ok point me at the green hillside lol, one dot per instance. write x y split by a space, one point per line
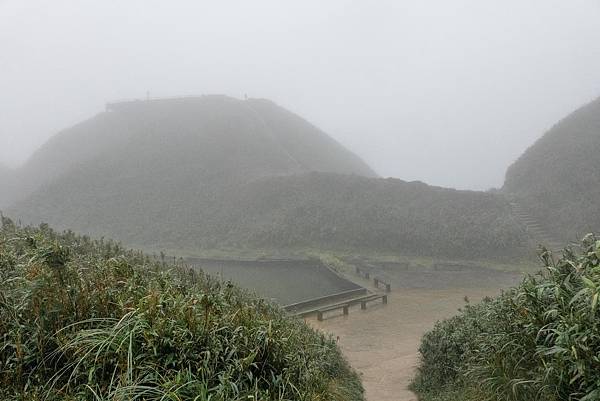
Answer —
7 185
558 178
212 137
313 211
358 213
89 320
215 173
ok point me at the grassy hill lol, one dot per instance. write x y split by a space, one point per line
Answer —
313 211
211 137
6 185
358 213
4 177
557 179
88 320
215 172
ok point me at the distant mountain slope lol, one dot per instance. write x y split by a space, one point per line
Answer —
358 213
215 172
7 182
216 133
298 138
558 178
309 211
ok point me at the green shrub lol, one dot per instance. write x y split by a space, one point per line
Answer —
89 320
538 341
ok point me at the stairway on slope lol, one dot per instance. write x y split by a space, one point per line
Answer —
537 232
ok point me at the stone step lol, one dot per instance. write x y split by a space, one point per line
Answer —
535 230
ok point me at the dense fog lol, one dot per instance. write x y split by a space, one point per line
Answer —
449 93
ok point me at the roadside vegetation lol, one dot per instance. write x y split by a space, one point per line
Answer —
89 320
537 341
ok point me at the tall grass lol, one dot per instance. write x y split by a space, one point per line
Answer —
538 341
89 320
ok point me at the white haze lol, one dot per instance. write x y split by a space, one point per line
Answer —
448 92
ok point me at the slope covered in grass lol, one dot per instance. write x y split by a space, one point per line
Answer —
358 213
538 341
215 173
557 179
191 142
310 211
6 185
88 320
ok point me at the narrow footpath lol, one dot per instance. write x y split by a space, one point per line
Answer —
382 342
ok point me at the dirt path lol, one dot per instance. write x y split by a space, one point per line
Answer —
382 342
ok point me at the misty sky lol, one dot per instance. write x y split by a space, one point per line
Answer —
448 92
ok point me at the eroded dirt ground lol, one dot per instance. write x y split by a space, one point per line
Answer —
382 342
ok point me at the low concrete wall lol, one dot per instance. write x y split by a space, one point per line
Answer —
328 299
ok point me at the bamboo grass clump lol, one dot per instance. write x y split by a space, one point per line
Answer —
539 341
88 320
